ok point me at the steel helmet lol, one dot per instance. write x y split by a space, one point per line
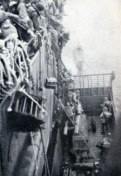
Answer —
34 1
12 3
108 134
3 16
40 6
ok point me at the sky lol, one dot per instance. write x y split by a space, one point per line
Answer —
96 26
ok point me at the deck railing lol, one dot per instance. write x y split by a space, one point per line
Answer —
91 81
93 88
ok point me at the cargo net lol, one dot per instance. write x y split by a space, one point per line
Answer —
14 65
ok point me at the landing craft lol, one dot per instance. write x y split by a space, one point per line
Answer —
85 158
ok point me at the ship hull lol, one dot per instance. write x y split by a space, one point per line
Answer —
19 154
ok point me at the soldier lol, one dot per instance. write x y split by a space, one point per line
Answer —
107 104
24 25
51 7
35 12
6 26
7 44
13 7
69 97
104 119
65 76
78 112
79 108
105 144
70 110
23 15
76 97
1 7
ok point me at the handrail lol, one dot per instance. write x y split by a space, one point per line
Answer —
100 82
91 75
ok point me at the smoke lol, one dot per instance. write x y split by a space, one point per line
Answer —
68 58
73 57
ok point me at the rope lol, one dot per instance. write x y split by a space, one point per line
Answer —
45 156
44 152
36 166
15 56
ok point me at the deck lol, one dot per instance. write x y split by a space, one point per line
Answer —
94 138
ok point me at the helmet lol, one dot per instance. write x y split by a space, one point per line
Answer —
34 1
68 104
40 6
3 16
109 134
106 98
12 3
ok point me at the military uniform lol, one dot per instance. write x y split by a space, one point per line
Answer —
7 27
105 144
104 122
70 111
23 16
107 104
34 16
51 7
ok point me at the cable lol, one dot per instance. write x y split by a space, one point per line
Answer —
44 152
36 167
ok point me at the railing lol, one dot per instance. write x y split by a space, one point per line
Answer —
91 81
93 88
